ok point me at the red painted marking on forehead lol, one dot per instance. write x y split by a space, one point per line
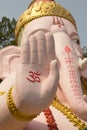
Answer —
58 21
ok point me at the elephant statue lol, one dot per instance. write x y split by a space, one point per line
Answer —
44 77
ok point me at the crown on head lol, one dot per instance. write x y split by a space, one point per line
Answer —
41 9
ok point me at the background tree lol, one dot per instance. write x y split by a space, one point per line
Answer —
7 36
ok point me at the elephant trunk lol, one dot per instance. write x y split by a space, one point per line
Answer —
69 74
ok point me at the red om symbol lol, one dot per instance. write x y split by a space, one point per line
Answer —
34 77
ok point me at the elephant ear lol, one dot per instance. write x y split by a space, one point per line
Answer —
9 60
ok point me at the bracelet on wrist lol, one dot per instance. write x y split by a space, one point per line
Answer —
14 111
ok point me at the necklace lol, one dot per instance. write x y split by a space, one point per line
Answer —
50 119
69 114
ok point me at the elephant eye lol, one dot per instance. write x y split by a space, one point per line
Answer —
0 80
76 41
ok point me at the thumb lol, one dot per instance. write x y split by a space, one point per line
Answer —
50 85
52 80
53 73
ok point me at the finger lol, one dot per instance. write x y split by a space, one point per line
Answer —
25 52
53 69
50 47
41 48
33 50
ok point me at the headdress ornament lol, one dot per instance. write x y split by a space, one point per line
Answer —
41 8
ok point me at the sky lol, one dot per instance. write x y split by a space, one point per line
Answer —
78 8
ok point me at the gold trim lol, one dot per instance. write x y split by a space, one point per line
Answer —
2 93
42 9
14 111
69 114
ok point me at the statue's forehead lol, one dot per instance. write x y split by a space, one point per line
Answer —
46 23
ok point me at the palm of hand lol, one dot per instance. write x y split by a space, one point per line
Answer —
38 70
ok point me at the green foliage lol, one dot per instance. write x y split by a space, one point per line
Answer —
7 36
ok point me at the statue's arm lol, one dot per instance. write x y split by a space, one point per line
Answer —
29 92
7 120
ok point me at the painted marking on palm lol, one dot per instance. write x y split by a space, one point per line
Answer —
34 76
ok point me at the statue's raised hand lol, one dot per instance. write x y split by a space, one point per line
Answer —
37 75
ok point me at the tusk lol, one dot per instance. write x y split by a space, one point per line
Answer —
83 63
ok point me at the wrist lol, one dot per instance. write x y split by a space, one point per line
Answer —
14 109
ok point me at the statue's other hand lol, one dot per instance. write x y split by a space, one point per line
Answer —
37 74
